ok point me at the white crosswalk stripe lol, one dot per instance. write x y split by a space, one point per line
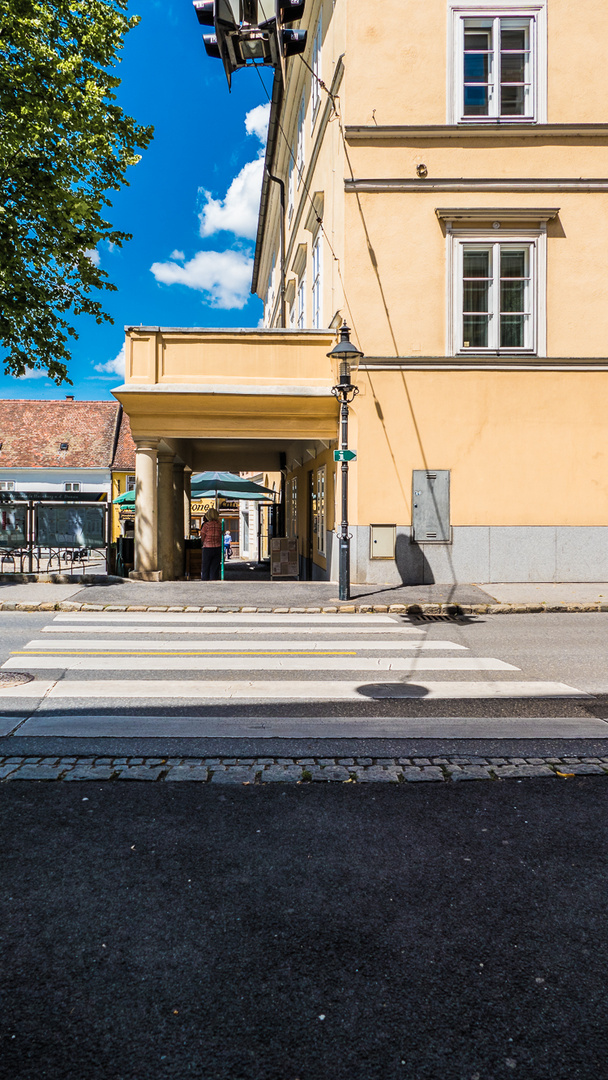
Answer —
284 690
268 644
259 657
270 662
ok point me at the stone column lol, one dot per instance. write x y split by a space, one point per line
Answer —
166 538
146 551
178 520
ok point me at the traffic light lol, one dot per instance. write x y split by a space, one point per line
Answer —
251 32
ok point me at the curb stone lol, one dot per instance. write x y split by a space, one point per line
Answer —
454 610
295 770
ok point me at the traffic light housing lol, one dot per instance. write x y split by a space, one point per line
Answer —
251 32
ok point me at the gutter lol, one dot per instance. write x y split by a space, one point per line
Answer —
271 143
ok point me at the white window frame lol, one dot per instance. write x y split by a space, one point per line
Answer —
536 337
301 303
7 485
498 9
315 89
131 483
72 485
291 184
300 147
321 509
317 283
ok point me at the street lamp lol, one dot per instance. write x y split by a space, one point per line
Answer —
345 392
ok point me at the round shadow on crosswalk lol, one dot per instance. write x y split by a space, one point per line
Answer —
392 690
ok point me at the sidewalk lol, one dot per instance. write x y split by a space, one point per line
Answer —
302 596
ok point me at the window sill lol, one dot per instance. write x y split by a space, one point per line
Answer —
491 354
496 121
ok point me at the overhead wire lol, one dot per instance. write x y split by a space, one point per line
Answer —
307 192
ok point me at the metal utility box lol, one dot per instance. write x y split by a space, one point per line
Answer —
382 541
431 506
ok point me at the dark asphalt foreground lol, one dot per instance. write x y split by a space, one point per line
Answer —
425 932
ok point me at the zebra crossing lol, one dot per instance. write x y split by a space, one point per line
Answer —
273 659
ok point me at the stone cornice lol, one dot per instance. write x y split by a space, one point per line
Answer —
483 363
406 132
381 185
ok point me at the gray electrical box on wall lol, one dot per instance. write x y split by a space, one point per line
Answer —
431 506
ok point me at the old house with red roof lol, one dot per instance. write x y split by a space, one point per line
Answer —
66 447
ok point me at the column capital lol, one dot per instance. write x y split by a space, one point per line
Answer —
146 444
166 457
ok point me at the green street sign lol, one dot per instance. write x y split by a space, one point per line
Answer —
345 455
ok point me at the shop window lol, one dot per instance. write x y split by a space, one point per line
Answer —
294 507
320 510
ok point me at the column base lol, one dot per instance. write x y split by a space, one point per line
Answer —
146 575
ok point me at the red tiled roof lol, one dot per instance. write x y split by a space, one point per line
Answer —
31 433
124 457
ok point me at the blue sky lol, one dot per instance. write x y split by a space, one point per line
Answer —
189 262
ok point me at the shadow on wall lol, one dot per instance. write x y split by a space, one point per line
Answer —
412 564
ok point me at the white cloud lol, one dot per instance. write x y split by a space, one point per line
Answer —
34 373
256 122
225 276
113 367
238 212
93 255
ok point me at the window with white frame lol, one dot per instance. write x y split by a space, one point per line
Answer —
291 185
301 303
496 295
317 318
321 473
300 140
270 285
71 486
499 63
131 483
315 89
7 485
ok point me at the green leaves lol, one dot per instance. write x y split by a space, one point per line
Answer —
64 144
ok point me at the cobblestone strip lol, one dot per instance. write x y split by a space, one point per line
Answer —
413 610
267 770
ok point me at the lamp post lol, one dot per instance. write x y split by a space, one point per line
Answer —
345 392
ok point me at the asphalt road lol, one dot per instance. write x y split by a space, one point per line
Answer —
566 648
359 933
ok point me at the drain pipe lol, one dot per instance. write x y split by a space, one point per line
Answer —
277 180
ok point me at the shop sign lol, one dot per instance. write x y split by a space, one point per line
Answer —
200 506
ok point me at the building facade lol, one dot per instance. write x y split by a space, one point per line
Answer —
66 448
445 192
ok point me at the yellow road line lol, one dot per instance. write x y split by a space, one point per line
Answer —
159 652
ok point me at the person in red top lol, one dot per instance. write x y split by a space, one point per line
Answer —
211 538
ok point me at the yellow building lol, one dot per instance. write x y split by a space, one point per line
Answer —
446 193
123 478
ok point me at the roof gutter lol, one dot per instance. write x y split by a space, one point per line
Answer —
271 145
